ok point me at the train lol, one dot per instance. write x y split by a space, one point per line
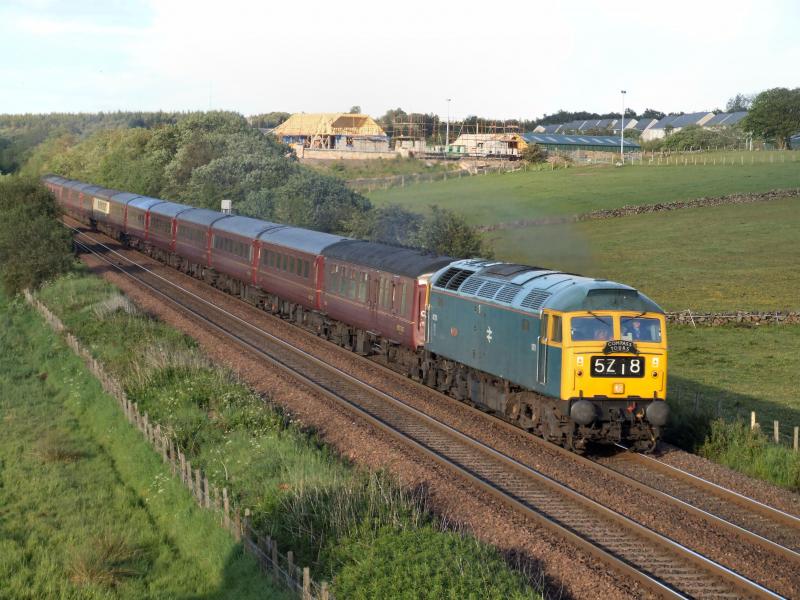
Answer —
572 359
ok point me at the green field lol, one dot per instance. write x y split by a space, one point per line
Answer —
510 197
738 368
717 258
87 509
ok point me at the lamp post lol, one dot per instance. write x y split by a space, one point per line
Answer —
447 131
622 130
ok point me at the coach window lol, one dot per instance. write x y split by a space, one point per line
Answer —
403 299
291 265
305 268
362 287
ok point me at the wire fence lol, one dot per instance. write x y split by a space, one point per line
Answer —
279 566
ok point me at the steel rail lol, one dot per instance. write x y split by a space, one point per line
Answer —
512 491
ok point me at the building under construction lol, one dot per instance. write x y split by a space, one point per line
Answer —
499 145
333 131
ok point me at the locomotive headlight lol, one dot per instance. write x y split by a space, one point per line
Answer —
619 388
655 361
579 373
655 373
579 361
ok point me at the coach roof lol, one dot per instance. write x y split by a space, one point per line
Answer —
169 209
201 216
304 240
244 226
401 261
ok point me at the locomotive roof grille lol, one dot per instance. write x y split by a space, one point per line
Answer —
471 285
446 277
507 293
489 289
535 299
458 279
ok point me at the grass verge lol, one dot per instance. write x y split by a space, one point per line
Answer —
86 507
299 492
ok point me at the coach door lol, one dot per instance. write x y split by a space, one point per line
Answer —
541 364
373 297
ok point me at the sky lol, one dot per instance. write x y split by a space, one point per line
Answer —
506 60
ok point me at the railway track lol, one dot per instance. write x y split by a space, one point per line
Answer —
660 565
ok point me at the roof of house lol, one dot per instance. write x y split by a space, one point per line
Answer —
676 121
306 124
643 124
577 140
725 119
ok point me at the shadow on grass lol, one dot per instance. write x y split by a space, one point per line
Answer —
695 405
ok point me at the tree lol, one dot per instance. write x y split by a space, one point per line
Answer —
534 153
775 114
651 113
34 246
355 109
445 232
739 103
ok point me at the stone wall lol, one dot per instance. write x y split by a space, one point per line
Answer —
640 209
744 318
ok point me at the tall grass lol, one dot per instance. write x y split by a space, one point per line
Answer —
87 509
735 445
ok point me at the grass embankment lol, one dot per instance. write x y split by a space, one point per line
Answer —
502 198
341 522
707 259
87 509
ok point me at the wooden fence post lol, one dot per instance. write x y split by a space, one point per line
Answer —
187 476
796 439
198 487
753 423
776 432
237 526
324 590
275 568
306 584
226 507
215 489
172 457
206 495
290 570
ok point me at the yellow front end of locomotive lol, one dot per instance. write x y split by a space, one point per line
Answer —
611 355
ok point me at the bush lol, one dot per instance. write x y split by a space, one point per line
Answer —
751 452
34 246
534 153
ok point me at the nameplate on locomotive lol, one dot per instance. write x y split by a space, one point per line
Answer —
613 346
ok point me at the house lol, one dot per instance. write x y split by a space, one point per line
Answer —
333 131
489 144
674 123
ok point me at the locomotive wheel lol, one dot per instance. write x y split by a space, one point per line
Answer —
645 446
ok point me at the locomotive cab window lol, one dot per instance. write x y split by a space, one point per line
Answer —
585 329
556 329
638 329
